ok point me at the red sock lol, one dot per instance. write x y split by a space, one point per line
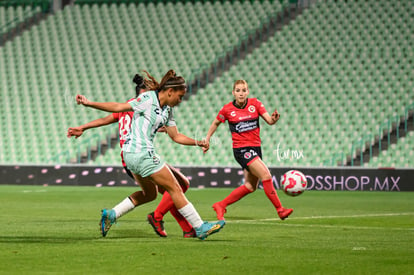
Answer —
271 193
184 224
235 195
166 204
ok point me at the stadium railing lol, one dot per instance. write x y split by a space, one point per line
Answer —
385 128
337 159
407 113
62 157
88 144
357 147
368 139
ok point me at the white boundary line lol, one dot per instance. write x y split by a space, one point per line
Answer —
330 217
349 227
265 221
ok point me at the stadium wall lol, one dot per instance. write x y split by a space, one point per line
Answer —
327 179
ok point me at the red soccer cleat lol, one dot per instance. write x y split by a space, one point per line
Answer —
157 225
284 212
190 234
220 210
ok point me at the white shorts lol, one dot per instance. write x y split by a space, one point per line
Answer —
144 163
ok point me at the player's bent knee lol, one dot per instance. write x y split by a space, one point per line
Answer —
182 180
265 176
153 196
250 187
185 185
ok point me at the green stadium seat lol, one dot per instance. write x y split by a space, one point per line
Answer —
312 70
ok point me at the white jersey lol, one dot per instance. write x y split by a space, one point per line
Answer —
148 118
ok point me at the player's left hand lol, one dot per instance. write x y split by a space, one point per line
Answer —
204 145
275 116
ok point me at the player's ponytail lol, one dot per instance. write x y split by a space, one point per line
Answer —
170 80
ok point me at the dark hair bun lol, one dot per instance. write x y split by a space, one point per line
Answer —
139 80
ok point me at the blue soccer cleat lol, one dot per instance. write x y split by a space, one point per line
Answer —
108 218
209 228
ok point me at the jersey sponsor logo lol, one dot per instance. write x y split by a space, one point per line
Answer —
244 126
252 109
244 117
233 113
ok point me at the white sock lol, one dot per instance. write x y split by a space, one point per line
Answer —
123 207
191 215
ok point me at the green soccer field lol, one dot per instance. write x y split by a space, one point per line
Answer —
55 229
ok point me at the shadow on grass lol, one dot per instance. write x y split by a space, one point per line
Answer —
44 239
56 239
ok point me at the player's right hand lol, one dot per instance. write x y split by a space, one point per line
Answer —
74 132
206 145
81 99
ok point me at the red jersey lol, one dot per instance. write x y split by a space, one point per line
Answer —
243 122
124 123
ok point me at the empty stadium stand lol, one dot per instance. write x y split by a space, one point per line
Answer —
338 74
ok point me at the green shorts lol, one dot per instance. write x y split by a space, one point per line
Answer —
144 163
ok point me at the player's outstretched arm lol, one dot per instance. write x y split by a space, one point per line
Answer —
113 107
179 138
271 119
78 131
213 127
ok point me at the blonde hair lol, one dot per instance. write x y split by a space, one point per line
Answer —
240 81
170 80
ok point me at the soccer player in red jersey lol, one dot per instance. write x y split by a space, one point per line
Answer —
166 204
243 116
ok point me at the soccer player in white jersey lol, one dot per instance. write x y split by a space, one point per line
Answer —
153 110
166 204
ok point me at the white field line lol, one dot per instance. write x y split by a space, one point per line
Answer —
349 227
34 191
329 217
265 221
